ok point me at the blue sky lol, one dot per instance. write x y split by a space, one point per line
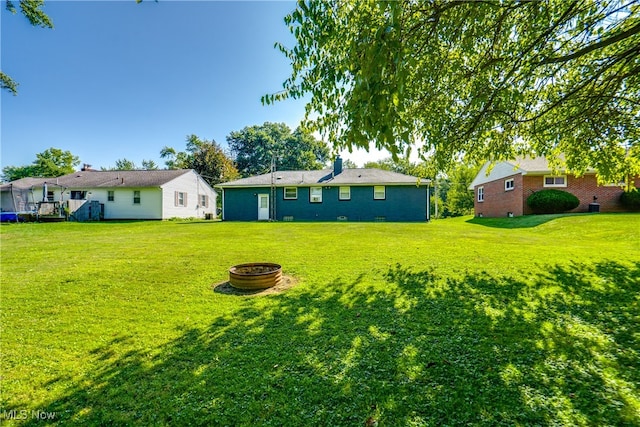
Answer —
116 79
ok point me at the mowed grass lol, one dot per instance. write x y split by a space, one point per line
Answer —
520 321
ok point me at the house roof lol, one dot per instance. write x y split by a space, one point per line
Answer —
93 179
492 171
369 176
24 183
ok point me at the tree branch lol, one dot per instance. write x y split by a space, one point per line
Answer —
599 45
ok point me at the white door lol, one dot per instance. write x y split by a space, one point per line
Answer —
263 207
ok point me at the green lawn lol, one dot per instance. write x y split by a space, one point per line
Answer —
520 321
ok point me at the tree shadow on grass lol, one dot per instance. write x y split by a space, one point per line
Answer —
421 349
525 221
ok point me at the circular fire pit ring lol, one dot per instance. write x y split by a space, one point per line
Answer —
260 275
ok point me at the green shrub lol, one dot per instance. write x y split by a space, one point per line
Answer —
630 199
552 201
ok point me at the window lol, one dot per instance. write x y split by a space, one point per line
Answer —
204 200
344 193
111 196
315 194
290 193
180 198
379 192
508 184
136 197
78 195
555 181
481 194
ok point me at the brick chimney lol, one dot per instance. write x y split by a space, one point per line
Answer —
337 166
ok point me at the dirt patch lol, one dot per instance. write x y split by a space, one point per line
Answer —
288 282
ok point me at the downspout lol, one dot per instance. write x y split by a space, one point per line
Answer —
223 215
428 202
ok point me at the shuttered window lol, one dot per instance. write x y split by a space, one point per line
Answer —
180 198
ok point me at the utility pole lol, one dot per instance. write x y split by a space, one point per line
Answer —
272 205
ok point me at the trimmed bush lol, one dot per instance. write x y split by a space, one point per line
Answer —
630 199
552 201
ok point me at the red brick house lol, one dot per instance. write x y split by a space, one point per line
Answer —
504 190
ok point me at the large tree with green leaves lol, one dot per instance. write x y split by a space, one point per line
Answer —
50 163
485 79
129 165
459 199
254 147
31 9
205 157
424 169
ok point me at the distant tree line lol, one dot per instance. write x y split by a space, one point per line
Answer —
252 150
50 163
450 193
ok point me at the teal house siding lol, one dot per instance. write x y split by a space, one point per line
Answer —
406 197
241 204
401 204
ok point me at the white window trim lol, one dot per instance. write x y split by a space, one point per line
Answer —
204 200
376 192
507 187
112 194
284 193
348 191
481 194
139 197
544 181
315 198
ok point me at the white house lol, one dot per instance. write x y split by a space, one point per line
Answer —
139 194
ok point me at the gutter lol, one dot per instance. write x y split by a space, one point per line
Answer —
423 182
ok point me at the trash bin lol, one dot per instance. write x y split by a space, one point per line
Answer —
208 216
594 207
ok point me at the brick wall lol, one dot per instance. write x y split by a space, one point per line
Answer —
498 201
584 188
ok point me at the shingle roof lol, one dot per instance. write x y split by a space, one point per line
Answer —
25 183
528 164
520 165
86 179
367 176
